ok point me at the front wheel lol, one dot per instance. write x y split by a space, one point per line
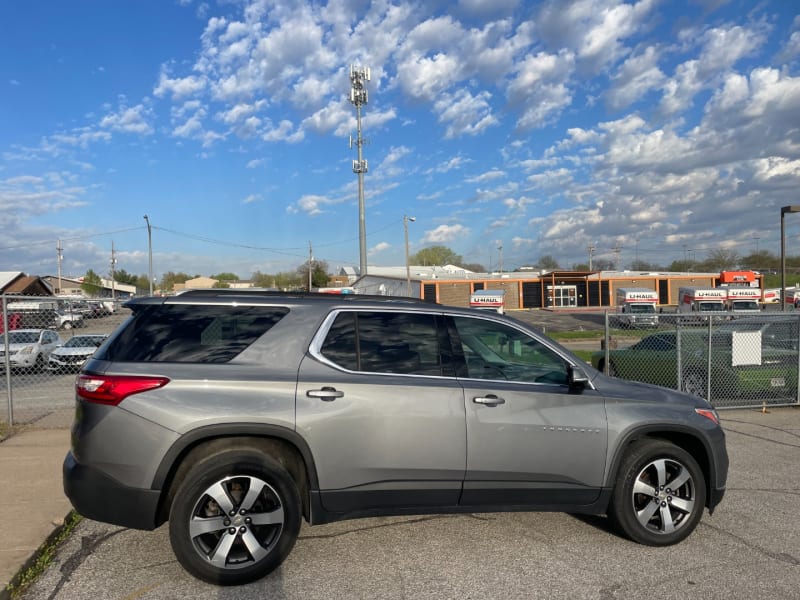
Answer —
659 494
235 518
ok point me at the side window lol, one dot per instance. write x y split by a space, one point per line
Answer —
384 342
495 351
188 333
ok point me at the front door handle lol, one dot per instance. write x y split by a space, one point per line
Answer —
490 400
326 394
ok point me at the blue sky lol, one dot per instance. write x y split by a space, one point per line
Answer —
659 128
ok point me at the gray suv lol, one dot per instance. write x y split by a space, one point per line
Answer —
235 414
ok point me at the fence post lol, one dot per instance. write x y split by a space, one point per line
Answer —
7 365
606 344
708 361
679 357
797 382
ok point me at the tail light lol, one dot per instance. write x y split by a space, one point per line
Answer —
113 389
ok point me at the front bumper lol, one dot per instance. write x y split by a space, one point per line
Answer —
97 496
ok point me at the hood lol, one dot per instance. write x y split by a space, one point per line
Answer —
612 388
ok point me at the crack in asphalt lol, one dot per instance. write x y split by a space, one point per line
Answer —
373 527
89 543
772 427
783 557
761 437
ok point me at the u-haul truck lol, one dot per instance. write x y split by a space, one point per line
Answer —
702 302
772 296
636 307
743 300
494 300
792 296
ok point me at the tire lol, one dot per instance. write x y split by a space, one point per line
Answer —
229 549
39 365
659 495
694 383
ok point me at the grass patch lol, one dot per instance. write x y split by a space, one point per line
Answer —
575 335
584 355
43 557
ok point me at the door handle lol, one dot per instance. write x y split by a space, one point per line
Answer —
490 400
326 394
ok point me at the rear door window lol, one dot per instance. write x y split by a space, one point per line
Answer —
385 342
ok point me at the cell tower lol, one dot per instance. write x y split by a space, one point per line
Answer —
358 97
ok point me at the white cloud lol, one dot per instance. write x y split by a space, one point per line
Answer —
445 234
130 120
464 113
379 247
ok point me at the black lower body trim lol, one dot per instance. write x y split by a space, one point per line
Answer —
101 498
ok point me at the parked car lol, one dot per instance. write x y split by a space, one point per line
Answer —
72 355
737 369
29 348
235 414
776 332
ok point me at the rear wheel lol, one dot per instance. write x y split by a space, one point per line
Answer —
235 517
659 494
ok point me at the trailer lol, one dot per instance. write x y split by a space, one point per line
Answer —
636 307
494 300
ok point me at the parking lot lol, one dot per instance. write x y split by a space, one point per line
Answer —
747 549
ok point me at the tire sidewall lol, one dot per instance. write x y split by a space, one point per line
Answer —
621 510
216 468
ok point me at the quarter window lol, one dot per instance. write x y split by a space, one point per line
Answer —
193 334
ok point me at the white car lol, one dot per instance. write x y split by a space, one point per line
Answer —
72 355
29 348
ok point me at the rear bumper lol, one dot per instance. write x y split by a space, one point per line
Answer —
97 496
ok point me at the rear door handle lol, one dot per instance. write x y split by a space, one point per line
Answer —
326 394
489 400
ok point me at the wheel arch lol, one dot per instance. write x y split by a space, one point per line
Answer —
283 445
682 437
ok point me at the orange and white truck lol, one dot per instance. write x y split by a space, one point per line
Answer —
494 300
636 307
702 302
743 300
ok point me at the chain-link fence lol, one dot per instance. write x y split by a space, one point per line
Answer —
735 361
43 343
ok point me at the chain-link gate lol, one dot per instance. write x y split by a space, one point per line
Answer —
43 343
733 361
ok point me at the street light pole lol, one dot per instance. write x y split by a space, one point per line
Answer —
149 254
784 210
406 219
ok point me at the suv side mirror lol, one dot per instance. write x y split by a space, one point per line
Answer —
578 379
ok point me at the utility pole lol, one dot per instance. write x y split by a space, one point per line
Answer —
58 250
406 219
310 262
358 97
149 254
500 248
591 255
617 249
113 267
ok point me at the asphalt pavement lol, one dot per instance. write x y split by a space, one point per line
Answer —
746 549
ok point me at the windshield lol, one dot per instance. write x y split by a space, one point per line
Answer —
84 341
23 337
745 305
711 306
642 308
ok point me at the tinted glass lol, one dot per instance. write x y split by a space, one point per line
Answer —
378 342
191 333
495 351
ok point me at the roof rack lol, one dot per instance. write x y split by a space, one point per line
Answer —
267 293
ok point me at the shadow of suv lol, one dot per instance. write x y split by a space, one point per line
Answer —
235 414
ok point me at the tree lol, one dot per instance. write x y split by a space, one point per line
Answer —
262 280
92 284
436 256
547 263
169 279
641 265
122 276
226 277
142 283
580 267
720 259
221 284
319 274
474 267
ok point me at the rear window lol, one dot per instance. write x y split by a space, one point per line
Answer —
191 333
